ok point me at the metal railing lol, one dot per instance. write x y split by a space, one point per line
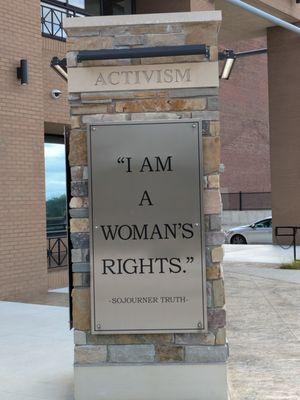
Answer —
57 249
52 16
242 201
56 224
289 232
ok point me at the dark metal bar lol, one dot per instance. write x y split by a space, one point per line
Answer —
142 52
231 54
240 201
68 199
251 52
58 252
49 254
294 238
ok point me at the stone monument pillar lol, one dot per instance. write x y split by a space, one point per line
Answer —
144 96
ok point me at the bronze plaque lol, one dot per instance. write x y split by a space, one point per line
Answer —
146 226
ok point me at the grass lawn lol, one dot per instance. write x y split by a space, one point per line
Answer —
292 265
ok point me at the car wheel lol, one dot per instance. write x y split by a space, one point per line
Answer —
238 239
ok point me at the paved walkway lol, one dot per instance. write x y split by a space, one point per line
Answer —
267 271
36 352
263 334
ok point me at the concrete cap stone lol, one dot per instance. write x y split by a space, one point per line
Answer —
142 19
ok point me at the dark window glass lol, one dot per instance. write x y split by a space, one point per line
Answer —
267 223
117 7
109 7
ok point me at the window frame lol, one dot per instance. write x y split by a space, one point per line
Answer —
68 9
65 5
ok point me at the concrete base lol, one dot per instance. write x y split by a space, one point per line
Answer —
151 382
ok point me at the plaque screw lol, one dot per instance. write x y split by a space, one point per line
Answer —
93 128
98 326
194 125
199 325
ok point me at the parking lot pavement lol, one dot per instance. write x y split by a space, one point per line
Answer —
259 253
36 352
263 334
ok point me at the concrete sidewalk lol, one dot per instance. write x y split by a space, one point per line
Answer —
267 271
36 352
259 253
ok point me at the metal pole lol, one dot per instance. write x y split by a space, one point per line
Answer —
294 232
240 201
142 52
49 253
69 243
265 15
251 52
58 252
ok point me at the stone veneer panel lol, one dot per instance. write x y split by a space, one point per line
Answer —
201 103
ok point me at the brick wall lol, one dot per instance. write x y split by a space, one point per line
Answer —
245 122
23 110
22 211
55 110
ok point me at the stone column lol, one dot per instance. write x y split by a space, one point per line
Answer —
284 104
147 366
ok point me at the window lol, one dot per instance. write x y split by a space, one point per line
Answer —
54 11
117 7
77 3
74 3
56 211
55 172
266 223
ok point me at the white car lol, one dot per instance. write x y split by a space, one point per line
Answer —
259 232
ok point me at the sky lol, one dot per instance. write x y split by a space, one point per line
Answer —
55 170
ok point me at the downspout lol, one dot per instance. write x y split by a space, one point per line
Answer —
265 15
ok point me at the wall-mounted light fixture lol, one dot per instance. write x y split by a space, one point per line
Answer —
230 57
60 67
22 72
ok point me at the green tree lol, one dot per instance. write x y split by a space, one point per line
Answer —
56 207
